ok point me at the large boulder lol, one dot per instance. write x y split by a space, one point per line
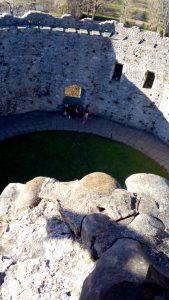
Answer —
120 273
147 229
148 184
29 196
100 183
91 194
153 192
99 232
123 205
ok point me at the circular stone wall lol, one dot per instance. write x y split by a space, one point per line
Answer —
69 156
38 62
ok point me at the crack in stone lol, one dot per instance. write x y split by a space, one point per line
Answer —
3 274
138 203
2 277
129 216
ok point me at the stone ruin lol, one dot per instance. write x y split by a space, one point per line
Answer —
87 239
122 72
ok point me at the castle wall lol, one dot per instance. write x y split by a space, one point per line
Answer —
37 63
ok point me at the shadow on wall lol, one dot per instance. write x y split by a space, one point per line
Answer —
131 107
128 265
117 98
53 60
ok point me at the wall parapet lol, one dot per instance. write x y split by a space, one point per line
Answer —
46 20
67 23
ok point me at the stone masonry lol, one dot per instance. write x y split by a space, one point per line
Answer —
40 55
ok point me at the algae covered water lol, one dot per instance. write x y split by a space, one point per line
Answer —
68 156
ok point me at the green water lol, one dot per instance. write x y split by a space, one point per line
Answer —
68 156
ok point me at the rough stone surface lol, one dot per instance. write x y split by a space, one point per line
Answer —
148 184
8 200
57 190
123 205
84 53
120 272
29 197
153 191
91 194
99 233
62 228
39 253
100 183
148 229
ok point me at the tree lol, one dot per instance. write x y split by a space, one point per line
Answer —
93 6
14 6
60 6
18 7
7 6
74 7
165 15
159 15
77 7
126 11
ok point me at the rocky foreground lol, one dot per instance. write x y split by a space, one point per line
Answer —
87 239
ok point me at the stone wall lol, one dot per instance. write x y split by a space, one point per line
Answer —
37 62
